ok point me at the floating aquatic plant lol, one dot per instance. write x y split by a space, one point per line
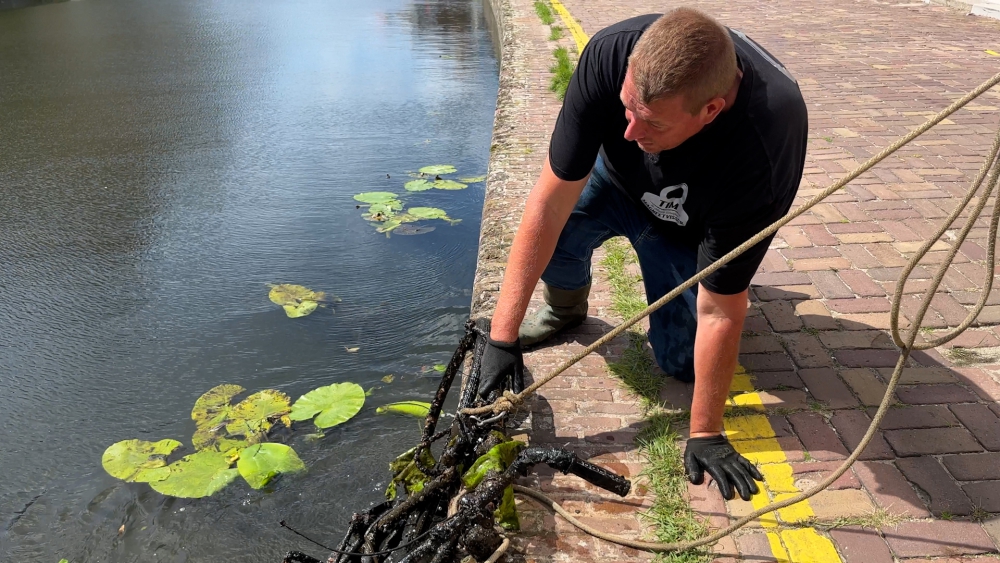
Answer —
258 412
375 197
418 409
473 179
260 463
435 169
431 213
296 300
138 460
197 475
418 185
227 434
331 405
449 185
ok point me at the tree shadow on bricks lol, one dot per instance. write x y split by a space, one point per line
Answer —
937 453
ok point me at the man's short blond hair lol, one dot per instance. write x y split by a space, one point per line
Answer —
683 52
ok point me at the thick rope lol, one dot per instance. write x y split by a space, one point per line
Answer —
906 345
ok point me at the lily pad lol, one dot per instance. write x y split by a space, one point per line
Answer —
212 407
375 197
440 367
334 404
260 463
449 185
412 408
256 413
417 185
473 179
436 169
298 301
383 211
200 474
409 230
396 221
216 439
138 460
430 213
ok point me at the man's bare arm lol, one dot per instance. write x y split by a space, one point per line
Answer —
716 349
545 214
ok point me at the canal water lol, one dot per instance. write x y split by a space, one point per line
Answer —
161 162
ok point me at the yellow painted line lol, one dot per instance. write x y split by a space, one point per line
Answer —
780 555
753 436
574 28
805 545
991 52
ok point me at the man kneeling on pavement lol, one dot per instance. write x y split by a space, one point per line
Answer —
688 138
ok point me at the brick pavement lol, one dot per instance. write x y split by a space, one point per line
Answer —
815 346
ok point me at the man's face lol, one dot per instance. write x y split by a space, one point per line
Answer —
664 123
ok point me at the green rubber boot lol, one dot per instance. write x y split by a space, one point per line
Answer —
563 309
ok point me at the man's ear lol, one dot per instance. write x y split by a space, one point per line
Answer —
711 110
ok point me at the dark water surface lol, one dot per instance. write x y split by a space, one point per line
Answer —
160 163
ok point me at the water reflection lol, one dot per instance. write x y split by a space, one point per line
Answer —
161 163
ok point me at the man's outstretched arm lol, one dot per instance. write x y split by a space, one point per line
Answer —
716 349
545 214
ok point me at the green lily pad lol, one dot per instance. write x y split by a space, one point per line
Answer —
410 230
436 169
216 439
431 213
138 460
407 475
334 404
440 367
200 474
395 222
298 301
375 197
412 408
449 185
428 213
260 463
473 179
255 414
211 408
383 211
417 185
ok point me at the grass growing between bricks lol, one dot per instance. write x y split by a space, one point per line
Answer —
562 71
544 12
670 515
635 368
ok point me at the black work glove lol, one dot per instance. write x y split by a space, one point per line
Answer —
501 367
729 469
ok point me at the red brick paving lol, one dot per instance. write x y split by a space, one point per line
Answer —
816 334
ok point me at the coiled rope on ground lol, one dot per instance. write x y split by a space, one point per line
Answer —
988 173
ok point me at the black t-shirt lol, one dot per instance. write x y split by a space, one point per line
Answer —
720 187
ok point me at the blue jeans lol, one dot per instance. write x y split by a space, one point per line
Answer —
602 212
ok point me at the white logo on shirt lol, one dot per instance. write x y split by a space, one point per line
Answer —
669 205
